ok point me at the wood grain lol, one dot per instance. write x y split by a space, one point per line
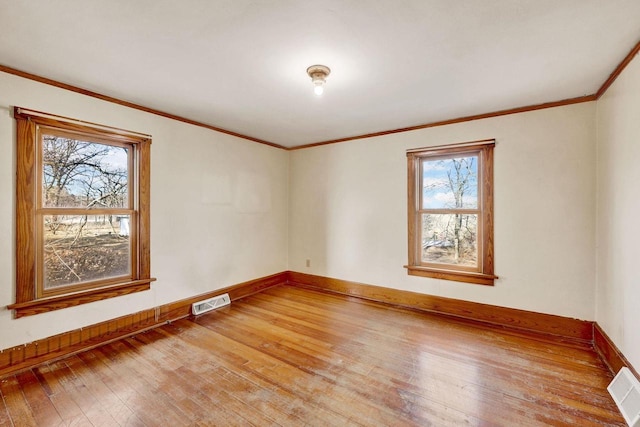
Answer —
31 296
44 305
486 176
457 276
482 273
25 356
289 356
609 352
143 220
75 127
562 328
25 211
569 332
413 250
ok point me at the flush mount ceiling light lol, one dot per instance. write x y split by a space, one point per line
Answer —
318 74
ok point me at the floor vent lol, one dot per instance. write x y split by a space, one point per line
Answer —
210 304
625 390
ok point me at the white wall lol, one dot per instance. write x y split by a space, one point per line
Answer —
618 224
348 210
218 209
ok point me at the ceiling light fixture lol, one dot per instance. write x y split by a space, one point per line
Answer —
318 74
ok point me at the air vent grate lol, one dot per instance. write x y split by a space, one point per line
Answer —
625 390
210 304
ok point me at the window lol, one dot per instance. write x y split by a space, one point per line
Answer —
450 206
82 212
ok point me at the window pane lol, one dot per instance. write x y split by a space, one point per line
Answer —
450 183
80 174
450 239
80 248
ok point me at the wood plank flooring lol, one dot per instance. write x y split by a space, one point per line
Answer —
294 357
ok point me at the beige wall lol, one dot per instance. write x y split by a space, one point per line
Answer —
618 226
219 209
225 210
348 210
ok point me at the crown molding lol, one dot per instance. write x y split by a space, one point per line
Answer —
586 98
76 89
614 75
580 99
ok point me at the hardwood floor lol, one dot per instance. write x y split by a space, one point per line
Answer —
294 357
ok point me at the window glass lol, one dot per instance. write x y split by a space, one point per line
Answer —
450 239
450 212
84 248
83 174
82 212
450 183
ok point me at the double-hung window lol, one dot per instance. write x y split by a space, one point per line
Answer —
450 207
82 212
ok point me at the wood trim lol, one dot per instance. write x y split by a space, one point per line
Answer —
482 273
578 100
143 203
451 148
486 175
42 305
70 123
25 356
25 211
586 98
76 89
609 353
413 250
82 211
182 308
562 328
28 355
619 69
31 298
457 276
51 82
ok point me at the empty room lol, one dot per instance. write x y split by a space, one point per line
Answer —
303 213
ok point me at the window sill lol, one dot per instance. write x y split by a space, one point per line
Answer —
458 276
43 305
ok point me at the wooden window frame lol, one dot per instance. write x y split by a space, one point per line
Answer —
484 273
30 297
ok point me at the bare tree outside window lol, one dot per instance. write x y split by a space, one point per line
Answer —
450 185
450 212
92 177
82 212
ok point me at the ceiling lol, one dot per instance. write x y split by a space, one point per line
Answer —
240 65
